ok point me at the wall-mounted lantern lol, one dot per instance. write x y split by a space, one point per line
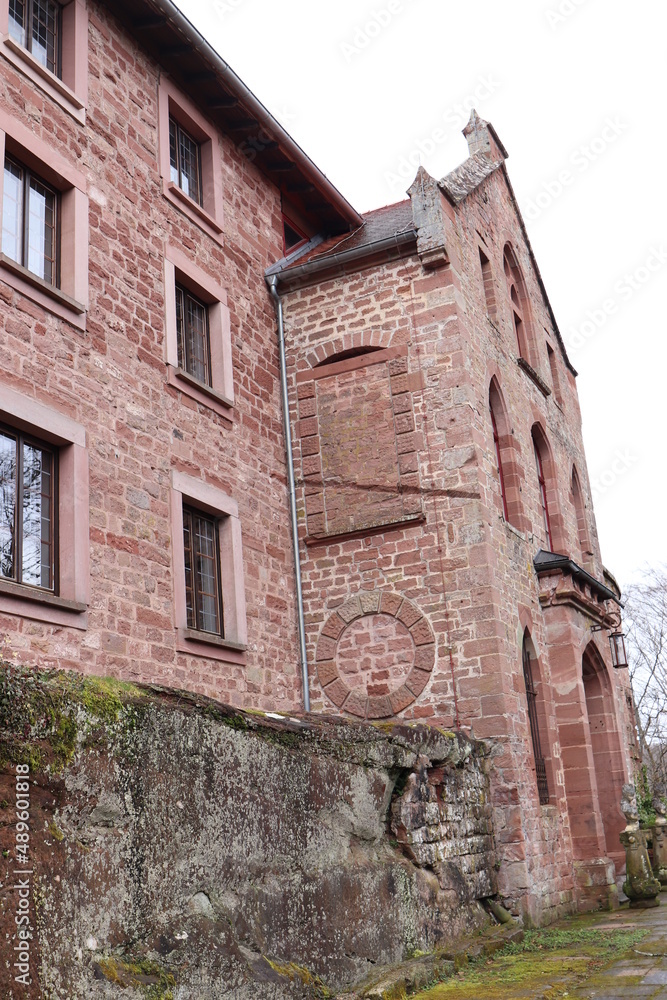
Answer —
619 657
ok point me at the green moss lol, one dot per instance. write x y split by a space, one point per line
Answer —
105 697
553 958
154 982
296 972
44 715
55 832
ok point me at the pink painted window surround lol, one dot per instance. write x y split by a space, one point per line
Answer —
172 104
69 298
218 391
67 604
191 493
68 86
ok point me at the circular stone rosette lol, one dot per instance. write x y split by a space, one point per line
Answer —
383 688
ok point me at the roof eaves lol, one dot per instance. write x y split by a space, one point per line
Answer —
198 43
392 246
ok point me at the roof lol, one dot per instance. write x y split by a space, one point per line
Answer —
378 226
167 35
548 562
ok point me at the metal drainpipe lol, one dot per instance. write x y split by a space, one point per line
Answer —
273 288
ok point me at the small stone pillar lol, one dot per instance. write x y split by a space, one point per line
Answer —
640 886
660 842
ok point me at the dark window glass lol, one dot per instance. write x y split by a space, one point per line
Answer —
291 235
185 161
193 338
496 445
29 216
35 24
27 511
531 696
202 580
543 497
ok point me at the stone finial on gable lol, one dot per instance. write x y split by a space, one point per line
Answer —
429 221
482 138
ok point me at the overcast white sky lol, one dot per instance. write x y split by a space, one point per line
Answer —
575 89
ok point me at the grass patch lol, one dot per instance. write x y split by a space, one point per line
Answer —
553 958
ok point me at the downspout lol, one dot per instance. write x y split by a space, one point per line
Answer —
273 288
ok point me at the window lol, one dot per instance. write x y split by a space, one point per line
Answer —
531 698
209 592
28 507
190 161
185 161
519 304
44 249
507 458
44 512
35 24
29 221
201 552
580 515
543 495
47 41
292 236
194 354
198 336
487 279
496 444
555 381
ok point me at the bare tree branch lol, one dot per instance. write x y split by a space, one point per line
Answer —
645 619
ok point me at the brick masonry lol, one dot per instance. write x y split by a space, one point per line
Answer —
463 568
112 379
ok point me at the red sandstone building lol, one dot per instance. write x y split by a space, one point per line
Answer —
450 567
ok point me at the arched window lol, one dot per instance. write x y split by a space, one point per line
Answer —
530 669
487 278
580 514
507 458
496 444
539 447
519 305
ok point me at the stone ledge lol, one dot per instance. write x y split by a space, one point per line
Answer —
418 973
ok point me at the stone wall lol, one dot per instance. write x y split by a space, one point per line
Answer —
238 855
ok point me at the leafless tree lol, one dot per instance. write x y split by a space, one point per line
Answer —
645 622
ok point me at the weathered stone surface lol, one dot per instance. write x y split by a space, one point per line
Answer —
249 856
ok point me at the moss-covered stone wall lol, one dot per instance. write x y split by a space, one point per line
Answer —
180 849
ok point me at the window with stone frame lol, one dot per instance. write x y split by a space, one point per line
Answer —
538 449
209 591
530 668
